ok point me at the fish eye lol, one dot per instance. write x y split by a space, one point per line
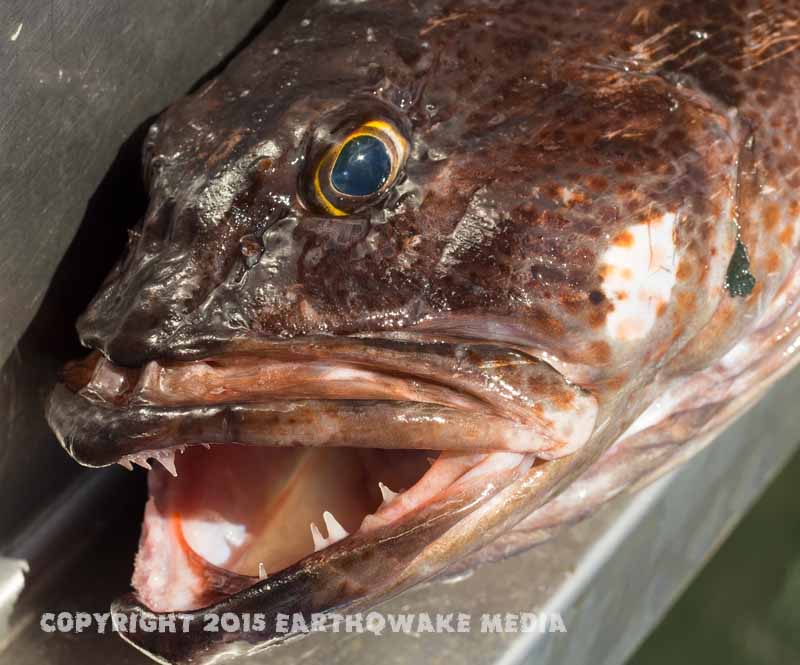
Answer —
356 171
362 167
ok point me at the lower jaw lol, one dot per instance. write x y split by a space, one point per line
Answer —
237 513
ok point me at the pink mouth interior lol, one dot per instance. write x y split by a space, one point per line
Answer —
240 506
248 510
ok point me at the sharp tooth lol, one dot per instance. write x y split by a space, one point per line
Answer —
386 493
320 543
207 446
262 571
142 462
335 530
168 462
126 463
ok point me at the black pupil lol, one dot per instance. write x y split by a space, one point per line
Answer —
362 167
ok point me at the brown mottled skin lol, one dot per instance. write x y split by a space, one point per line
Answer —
540 132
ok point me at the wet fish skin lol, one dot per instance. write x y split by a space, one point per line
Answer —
548 141
482 227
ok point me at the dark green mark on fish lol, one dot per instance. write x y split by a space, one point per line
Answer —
740 280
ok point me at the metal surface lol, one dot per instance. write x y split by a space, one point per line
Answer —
12 581
79 81
78 78
611 577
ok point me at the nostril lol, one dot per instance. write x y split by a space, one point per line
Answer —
251 248
252 245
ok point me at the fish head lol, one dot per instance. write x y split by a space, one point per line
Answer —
502 192
398 286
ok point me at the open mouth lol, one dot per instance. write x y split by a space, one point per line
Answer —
274 453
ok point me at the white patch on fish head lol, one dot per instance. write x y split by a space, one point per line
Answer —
639 270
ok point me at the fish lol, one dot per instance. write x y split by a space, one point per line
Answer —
419 283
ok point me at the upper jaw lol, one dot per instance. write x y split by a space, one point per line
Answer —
322 391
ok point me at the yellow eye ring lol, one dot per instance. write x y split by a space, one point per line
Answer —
376 151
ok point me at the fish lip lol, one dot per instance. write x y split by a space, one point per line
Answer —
97 435
101 430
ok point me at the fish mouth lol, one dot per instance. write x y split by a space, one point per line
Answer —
314 473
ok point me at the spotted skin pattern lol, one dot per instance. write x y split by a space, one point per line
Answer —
580 177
